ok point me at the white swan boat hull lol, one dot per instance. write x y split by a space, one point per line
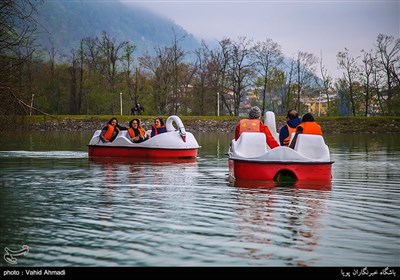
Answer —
175 143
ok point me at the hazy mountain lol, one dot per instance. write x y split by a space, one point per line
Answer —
65 23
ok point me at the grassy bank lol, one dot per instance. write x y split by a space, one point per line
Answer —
213 123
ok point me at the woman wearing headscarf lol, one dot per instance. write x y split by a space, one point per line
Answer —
309 125
136 131
111 130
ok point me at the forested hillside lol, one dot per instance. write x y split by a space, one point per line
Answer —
62 25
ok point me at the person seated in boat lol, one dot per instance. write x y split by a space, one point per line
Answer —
136 131
309 125
158 127
254 124
111 130
292 121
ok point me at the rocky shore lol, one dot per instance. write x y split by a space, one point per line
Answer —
329 124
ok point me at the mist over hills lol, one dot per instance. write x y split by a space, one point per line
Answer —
62 25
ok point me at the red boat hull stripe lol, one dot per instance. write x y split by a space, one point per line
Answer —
101 151
246 170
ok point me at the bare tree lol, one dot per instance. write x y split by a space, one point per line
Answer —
240 70
203 60
289 85
377 81
367 76
388 49
267 56
347 62
221 58
73 90
127 58
177 55
211 65
18 26
160 70
109 52
326 82
304 73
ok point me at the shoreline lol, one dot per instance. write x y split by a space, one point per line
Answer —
370 125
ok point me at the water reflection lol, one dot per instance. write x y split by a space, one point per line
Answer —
303 184
146 171
276 223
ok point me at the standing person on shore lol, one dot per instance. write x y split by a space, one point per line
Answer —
111 130
292 122
254 124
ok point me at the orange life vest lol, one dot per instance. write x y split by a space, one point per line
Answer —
249 125
311 128
132 133
290 130
109 133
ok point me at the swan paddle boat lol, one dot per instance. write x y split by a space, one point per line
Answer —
175 143
250 158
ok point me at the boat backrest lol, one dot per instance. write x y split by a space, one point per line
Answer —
291 138
122 138
312 146
95 138
123 133
250 145
269 120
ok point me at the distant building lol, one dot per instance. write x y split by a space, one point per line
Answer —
318 105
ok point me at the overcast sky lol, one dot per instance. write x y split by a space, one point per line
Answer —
309 26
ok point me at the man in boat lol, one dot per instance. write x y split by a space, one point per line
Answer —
292 122
254 124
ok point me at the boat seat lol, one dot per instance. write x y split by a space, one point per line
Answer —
123 133
122 139
312 146
250 145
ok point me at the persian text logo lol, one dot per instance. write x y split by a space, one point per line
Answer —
10 255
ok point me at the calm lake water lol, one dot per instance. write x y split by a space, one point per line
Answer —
71 211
